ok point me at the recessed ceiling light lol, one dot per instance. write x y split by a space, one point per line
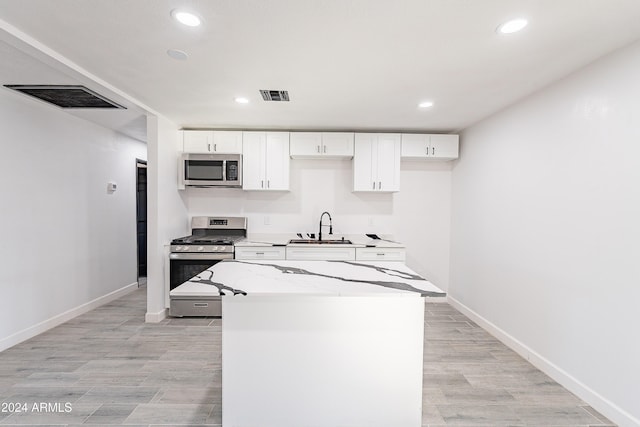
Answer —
425 104
177 54
186 18
512 26
241 100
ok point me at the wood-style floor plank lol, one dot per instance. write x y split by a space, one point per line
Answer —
110 368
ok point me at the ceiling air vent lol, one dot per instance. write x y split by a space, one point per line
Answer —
66 96
275 95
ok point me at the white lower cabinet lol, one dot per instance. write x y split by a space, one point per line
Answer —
321 254
380 254
260 252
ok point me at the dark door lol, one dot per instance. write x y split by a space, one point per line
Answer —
141 217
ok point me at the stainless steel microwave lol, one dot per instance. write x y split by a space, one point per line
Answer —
211 170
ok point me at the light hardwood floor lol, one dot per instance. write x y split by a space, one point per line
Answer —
110 368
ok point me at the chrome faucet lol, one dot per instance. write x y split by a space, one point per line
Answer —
330 225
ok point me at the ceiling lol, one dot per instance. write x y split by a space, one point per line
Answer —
347 64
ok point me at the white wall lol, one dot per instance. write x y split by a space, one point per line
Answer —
65 241
418 215
166 211
546 231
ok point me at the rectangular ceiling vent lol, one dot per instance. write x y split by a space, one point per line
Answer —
275 95
66 96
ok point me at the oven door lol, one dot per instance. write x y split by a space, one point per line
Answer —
184 266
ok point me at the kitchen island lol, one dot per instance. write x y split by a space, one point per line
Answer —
319 343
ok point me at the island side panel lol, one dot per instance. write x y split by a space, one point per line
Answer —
322 360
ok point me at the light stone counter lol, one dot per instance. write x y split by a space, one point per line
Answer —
358 240
335 278
322 343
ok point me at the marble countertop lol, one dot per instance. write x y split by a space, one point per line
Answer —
334 278
358 241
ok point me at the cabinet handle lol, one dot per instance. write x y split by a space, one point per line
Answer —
215 147
318 148
433 151
259 253
208 147
268 184
379 185
374 185
379 254
262 184
324 149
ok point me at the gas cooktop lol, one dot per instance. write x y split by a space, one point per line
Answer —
206 240
211 234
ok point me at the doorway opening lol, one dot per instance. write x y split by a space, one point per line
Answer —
141 219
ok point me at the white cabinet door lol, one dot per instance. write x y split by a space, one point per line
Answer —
430 146
254 146
277 161
197 141
444 147
363 158
265 161
388 170
260 252
208 141
305 144
226 142
415 145
337 144
321 254
313 145
380 254
376 162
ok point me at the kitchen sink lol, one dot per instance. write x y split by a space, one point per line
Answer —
321 242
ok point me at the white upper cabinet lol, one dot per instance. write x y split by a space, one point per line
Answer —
227 141
197 141
321 144
376 162
444 146
429 146
265 161
415 145
212 141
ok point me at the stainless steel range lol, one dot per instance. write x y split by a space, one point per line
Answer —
210 242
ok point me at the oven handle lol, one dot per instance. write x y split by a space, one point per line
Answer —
197 256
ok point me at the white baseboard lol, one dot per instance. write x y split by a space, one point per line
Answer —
45 325
155 317
590 396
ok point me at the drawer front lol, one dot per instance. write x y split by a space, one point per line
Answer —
195 307
380 254
267 252
321 254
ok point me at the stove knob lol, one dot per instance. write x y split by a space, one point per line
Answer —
178 248
217 248
201 248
